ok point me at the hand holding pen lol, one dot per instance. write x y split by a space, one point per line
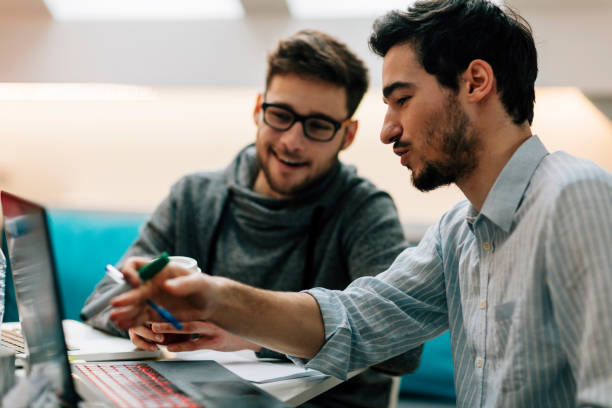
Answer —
145 273
163 313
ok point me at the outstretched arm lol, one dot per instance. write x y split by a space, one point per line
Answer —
374 319
290 323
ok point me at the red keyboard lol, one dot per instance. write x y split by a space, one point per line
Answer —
135 385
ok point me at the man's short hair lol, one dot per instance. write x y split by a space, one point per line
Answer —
315 55
449 34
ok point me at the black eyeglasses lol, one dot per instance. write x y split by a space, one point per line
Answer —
316 127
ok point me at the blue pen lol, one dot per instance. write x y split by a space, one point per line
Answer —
165 314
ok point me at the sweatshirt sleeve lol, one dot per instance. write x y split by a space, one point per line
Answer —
155 237
373 235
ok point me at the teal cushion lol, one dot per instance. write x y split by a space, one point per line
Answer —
10 304
434 377
84 242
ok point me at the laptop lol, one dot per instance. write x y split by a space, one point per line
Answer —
122 383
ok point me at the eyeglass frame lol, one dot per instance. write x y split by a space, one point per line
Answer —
302 119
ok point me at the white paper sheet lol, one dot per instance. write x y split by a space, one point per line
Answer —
246 365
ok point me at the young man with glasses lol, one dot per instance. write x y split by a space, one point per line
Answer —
286 214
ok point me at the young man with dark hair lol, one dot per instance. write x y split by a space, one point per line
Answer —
286 214
521 272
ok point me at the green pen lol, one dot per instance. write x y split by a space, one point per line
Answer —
149 271
145 273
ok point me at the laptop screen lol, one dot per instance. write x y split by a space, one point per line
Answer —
31 258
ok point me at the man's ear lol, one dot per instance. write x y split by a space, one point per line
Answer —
479 81
257 109
351 130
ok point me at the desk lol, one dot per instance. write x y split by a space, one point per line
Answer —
243 363
292 391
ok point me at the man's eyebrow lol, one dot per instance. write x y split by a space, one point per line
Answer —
389 89
316 114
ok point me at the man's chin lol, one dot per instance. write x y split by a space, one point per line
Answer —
286 193
287 190
430 180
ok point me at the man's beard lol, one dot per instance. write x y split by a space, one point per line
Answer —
290 191
280 188
449 132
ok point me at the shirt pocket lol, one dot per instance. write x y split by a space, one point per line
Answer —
503 324
507 347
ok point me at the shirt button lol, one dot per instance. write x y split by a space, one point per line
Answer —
486 246
479 362
483 304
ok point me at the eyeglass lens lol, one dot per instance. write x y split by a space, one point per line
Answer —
314 128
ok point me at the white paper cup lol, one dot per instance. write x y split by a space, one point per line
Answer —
185 262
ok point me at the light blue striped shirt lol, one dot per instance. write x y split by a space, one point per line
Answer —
525 287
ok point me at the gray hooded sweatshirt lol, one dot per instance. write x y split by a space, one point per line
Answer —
335 231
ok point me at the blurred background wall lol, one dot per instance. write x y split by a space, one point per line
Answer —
104 108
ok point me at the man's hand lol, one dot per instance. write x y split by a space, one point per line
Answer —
188 296
144 338
197 335
286 322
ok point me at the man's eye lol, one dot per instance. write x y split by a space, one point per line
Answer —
282 116
320 125
401 101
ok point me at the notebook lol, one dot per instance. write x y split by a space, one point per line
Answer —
122 383
83 342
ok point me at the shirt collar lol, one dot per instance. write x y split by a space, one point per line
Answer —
509 188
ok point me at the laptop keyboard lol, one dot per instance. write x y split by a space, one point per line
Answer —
135 385
12 339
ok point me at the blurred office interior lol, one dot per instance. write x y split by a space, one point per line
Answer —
104 104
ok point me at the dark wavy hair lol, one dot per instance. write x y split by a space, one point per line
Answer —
449 34
314 54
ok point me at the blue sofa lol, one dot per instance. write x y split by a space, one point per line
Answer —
85 241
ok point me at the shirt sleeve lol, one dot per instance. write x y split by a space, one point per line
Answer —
579 268
374 238
376 318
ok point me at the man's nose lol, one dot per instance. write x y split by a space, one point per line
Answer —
294 138
391 129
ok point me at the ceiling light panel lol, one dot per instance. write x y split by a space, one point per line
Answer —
343 8
144 9
303 9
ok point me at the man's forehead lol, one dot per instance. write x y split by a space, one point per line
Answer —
280 82
307 95
401 68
